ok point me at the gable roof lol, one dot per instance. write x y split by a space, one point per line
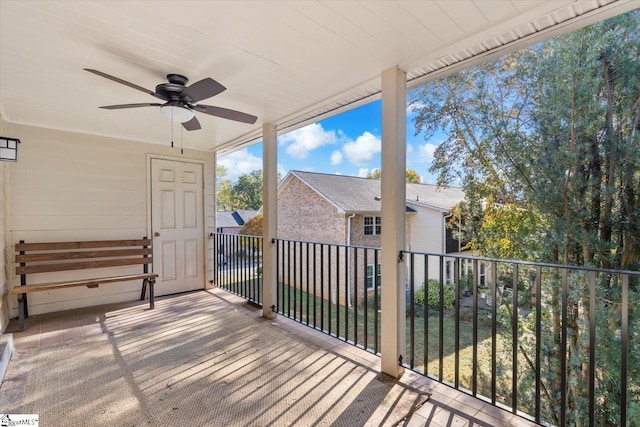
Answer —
352 194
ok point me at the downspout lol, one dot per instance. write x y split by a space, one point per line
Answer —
444 233
348 258
444 243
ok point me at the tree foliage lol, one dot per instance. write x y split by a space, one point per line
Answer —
411 176
546 142
244 194
253 227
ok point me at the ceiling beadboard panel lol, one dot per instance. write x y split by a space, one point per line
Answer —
287 62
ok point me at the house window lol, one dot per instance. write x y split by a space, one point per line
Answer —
372 225
370 275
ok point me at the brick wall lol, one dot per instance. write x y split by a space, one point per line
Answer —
304 215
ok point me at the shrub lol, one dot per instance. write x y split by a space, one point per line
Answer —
434 295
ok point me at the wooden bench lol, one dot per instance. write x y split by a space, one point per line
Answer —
33 258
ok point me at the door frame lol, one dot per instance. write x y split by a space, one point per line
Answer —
205 240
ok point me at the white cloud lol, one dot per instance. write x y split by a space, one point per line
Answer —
426 151
363 172
336 157
304 140
362 150
239 163
281 170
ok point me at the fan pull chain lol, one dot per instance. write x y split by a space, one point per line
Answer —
181 141
172 128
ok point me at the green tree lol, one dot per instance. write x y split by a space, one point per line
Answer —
546 143
245 193
411 176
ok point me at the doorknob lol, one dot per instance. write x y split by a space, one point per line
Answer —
156 234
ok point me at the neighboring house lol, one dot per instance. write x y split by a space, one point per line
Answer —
345 210
232 222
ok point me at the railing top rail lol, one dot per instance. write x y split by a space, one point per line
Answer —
342 245
235 235
529 263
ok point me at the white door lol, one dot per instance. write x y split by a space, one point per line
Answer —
177 225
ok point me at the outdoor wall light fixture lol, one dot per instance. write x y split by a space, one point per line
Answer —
9 149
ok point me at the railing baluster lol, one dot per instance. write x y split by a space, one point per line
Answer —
624 349
456 279
347 294
354 300
315 286
538 340
441 327
279 276
338 291
376 303
563 359
322 287
366 300
412 326
474 354
425 312
330 295
514 342
308 294
494 330
592 349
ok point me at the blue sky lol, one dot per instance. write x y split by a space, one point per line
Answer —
347 144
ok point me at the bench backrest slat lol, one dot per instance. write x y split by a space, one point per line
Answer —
53 246
63 256
46 268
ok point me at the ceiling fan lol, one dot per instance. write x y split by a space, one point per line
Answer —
180 100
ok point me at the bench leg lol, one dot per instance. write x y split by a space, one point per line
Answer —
21 311
151 283
143 292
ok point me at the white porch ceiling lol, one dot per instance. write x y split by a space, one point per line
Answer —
287 62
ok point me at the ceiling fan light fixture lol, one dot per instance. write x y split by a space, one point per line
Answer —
177 113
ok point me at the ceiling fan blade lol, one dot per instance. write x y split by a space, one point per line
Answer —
203 89
117 107
226 113
126 83
192 124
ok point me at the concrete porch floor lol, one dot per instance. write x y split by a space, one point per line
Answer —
208 358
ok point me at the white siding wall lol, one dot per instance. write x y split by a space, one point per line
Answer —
425 235
69 186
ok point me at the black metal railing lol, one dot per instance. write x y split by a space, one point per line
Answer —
332 288
239 265
547 342
555 344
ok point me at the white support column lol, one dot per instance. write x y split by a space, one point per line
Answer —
270 215
212 265
394 118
